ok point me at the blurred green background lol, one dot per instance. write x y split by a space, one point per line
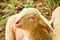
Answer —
11 7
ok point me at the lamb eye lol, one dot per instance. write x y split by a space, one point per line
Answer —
31 17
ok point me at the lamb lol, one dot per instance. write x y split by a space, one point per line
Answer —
29 24
56 24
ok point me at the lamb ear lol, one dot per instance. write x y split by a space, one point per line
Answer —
45 23
45 27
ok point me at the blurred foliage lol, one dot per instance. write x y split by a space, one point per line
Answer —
11 7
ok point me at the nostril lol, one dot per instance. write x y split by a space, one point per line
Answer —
17 22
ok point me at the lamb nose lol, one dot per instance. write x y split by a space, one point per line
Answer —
17 22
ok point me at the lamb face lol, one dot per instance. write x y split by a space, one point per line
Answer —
29 24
